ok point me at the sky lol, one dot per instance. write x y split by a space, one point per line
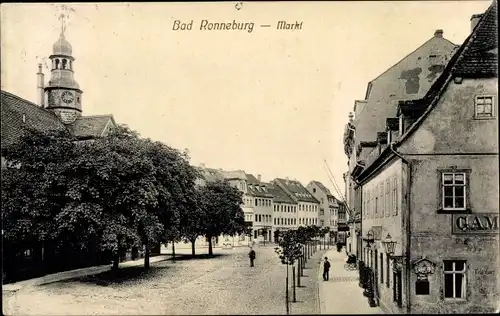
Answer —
270 102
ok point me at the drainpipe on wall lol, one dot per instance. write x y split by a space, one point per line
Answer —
408 228
360 220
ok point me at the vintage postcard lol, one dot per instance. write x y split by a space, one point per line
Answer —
250 158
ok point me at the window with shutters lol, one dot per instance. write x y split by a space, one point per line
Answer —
394 196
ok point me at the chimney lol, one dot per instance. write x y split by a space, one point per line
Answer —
474 19
438 34
40 86
259 177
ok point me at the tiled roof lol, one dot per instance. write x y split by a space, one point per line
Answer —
38 118
90 126
236 174
252 179
462 63
481 57
13 126
256 187
299 192
212 175
279 196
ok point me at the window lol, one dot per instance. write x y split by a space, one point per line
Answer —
394 196
381 268
484 106
382 200
387 206
454 279
453 187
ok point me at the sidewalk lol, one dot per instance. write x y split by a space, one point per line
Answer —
56 277
341 294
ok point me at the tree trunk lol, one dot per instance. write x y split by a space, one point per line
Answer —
299 268
193 248
173 250
304 253
286 293
293 283
210 250
146 257
302 266
116 260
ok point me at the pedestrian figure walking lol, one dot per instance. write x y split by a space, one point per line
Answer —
251 255
326 269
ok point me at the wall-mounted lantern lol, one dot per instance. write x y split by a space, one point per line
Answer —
389 245
369 239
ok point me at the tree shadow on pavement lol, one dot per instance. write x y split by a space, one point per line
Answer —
122 275
183 257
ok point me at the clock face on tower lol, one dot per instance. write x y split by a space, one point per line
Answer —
67 97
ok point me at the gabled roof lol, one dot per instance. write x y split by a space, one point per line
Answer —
480 58
322 188
481 41
236 174
257 188
370 84
279 196
299 192
91 126
19 115
15 108
478 41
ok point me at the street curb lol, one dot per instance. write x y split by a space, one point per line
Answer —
65 275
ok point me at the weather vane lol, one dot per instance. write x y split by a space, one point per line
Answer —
62 17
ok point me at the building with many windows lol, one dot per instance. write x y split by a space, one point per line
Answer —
307 204
284 210
263 209
328 208
430 189
408 79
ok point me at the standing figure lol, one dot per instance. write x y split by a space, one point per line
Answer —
251 255
326 269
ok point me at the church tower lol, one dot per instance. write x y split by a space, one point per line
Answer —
63 92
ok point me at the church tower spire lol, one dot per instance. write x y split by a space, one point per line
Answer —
64 94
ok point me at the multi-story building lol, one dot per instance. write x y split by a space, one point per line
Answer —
408 79
342 227
58 108
328 208
239 179
431 190
263 209
284 210
307 204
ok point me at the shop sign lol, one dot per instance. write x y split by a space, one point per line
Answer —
481 223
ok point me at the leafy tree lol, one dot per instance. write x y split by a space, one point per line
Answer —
289 251
192 220
221 204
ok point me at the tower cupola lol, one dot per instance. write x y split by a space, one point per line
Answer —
64 94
